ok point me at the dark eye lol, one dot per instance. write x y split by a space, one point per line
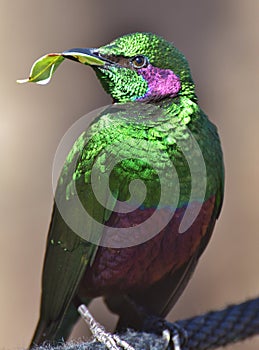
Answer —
139 61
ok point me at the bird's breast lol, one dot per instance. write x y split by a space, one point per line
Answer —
118 270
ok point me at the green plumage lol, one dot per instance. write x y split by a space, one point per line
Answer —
153 128
161 129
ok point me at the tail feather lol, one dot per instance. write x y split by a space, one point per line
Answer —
56 331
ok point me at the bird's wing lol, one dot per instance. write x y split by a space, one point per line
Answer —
70 244
66 258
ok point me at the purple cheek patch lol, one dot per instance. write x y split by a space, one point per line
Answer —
161 83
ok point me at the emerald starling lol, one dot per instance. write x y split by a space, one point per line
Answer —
130 248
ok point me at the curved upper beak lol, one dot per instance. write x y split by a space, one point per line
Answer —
88 56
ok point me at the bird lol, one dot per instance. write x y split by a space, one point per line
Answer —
104 238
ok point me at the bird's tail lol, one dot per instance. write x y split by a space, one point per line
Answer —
56 331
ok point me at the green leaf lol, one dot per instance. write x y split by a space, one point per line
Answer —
43 69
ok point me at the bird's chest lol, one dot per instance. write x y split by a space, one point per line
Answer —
121 270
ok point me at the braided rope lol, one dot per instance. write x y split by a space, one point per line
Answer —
219 328
208 331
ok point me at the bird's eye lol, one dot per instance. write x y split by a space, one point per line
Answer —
139 61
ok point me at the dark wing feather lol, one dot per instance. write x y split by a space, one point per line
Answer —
69 249
64 265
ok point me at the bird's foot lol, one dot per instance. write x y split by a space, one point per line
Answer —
111 341
171 332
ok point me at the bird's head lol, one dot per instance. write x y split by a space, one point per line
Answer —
140 67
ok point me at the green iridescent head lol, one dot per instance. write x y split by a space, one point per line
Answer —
144 67
135 67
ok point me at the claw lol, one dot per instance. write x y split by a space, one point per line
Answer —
171 332
176 334
111 341
176 341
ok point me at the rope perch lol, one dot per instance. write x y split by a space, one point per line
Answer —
207 331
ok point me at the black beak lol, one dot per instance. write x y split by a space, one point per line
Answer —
86 56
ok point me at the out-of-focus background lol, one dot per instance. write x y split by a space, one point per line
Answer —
221 41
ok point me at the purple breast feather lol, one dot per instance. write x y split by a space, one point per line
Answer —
161 82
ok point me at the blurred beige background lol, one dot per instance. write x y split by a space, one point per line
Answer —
221 41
